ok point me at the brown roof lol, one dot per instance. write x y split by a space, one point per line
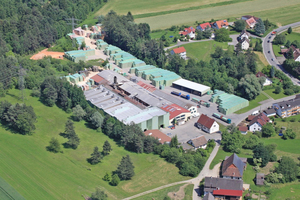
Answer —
97 78
221 23
233 166
206 121
260 74
260 177
199 141
251 117
283 51
296 52
243 128
159 135
262 119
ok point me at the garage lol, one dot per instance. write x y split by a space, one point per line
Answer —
191 87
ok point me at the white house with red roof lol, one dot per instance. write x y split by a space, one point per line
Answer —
250 21
220 24
257 122
207 124
188 31
203 26
180 51
177 113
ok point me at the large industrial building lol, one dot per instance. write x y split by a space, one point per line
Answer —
191 87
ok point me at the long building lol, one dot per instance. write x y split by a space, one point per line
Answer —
191 87
287 108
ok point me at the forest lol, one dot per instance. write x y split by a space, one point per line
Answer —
29 24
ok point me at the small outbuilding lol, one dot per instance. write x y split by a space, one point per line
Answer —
260 178
199 142
270 112
243 129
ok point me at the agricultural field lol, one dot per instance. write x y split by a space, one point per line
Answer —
291 37
7 192
38 174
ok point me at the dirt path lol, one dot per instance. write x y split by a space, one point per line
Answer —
179 195
45 52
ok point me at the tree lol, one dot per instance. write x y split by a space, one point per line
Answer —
290 134
288 168
277 90
288 92
259 27
296 43
272 72
115 180
107 177
219 52
98 195
78 113
96 156
70 133
289 30
250 86
54 145
239 25
106 148
222 35
232 142
251 142
279 39
174 142
96 119
260 151
267 24
125 169
287 44
73 141
258 46
267 130
83 45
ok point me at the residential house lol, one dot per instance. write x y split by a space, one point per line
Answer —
220 24
257 122
180 51
268 81
204 26
222 188
250 21
287 108
188 31
199 142
250 118
260 178
207 124
177 113
245 43
244 34
243 129
233 167
162 138
270 112
296 52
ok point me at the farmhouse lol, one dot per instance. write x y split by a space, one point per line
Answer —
220 24
179 51
268 81
177 113
250 21
207 124
199 142
233 167
204 26
162 138
191 87
188 31
287 108
257 122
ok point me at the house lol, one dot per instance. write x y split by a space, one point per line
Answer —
243 129
244 34
180 51
257 122
207 124
250 21
260 178
287 108
270 112
204 26
188 31
177 113
250 118
268 81
233 167
296 52
245 43
162 138
220 24
222 188
199 142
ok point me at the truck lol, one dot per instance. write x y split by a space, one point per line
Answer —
221 117
176 93
188 97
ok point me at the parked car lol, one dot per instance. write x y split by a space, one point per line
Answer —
272 59
268 51
268 41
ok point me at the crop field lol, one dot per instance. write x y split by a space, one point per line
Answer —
7 192
38 174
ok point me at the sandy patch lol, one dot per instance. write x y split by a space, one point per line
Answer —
43 53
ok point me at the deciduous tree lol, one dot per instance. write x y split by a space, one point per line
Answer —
54 145
288 168
239 25
78 113
98 195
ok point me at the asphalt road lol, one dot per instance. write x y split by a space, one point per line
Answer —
267 47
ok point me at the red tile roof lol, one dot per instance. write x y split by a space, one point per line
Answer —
97 78
243 128
260 74
148 87
251 117
159 135
179 50
221 23
262 119
205 121
187 31
251 21
174 110
223 192
204 25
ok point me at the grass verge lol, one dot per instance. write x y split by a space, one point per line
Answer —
291 37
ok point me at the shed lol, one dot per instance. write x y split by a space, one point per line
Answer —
191 87
199 142
260 178
243 129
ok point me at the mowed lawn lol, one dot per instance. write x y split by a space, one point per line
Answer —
274 10
38 174
291 37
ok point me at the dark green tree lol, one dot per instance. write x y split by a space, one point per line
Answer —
174 142
260 151
232 142
267 130
107 177
96 156
258 46
287 44
250 86
239 25
272 72
289 30
251 142
259 27
78 113
83 45
222 35
277 90
125 169
115 180
54 145
288 168
70 133
219 52
279 39
98 195
106 148
49 95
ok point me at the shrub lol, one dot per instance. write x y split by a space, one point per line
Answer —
292 120
288 92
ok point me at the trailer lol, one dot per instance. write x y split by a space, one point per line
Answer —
221 117
188 97
176 93
195 100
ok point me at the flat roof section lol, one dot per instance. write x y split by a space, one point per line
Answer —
192 85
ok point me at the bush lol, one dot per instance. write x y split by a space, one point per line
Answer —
277 89
292 120
115 180
273 158
288 92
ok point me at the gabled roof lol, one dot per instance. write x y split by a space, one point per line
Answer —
221 23
204 25
199 141
213 183
296 52
270 111
285 105
162 138
148 87
260 177
187 31
244 32
244 39
174 110
251 117
243 128
251 21
249 16
233 166
206 121
262 119
179 50
234 193
97 78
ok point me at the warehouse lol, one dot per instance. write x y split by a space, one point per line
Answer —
191 87
78 55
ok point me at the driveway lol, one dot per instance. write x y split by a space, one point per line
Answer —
234 40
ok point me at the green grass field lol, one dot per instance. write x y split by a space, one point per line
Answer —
271 93
253 103
7 192
291 37
38 174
